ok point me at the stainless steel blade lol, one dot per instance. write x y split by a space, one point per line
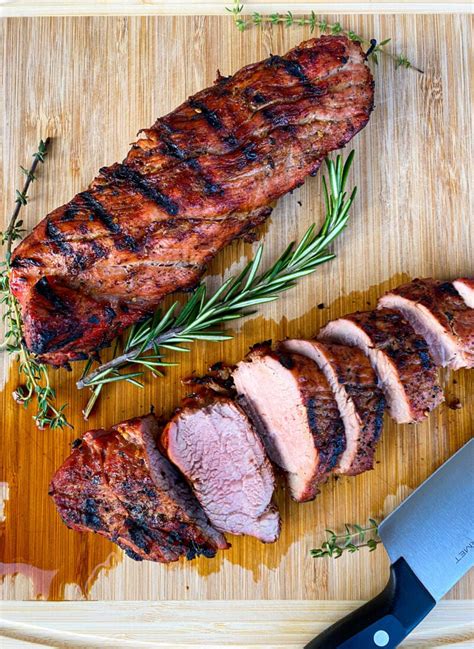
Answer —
433 529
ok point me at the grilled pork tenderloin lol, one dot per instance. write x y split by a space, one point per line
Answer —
359 399
116 483
295 412
198 178
437 312
465 287
401 359
213 443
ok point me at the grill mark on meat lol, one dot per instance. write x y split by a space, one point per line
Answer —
99 251
128 551
231 141
118 484
249 152
259 98
110 314
209 187
42 340
70 212
171 149
44 289
400 357
127 243
438 314
99 210
360 402
26 262
263 132
294 410
74 335
55 235
209 115
294 69
138 537
90 517
125 174
200 156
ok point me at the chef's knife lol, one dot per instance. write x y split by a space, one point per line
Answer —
430 541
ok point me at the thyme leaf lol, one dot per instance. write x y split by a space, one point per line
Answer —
34 375
351 540
243 22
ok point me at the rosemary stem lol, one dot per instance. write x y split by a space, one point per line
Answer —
92 400
234 299
127 357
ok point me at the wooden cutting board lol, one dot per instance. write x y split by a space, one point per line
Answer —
91 83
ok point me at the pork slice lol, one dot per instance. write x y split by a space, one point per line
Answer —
400 358
465 287
359 399
118 484
437 312
294 409
214 444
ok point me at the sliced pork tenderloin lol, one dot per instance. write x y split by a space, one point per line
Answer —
116 483
437 312
405 369
465 287
359 399
296 414
212 441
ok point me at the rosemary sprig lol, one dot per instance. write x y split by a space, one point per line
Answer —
236 298
288 19
34 374
352 540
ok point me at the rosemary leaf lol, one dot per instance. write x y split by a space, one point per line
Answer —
198 318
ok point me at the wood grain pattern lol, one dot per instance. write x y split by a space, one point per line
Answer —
216 625
91 83
198 7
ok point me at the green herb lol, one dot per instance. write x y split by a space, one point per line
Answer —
288 19
34 374
352 540
236 298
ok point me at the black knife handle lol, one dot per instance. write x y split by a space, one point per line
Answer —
384 621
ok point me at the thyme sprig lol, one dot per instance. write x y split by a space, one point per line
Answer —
34 374
352 540
288 19
201 317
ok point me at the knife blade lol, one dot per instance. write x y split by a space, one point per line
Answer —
433 529
430 541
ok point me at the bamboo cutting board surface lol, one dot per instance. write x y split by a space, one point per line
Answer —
195 7
91 83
